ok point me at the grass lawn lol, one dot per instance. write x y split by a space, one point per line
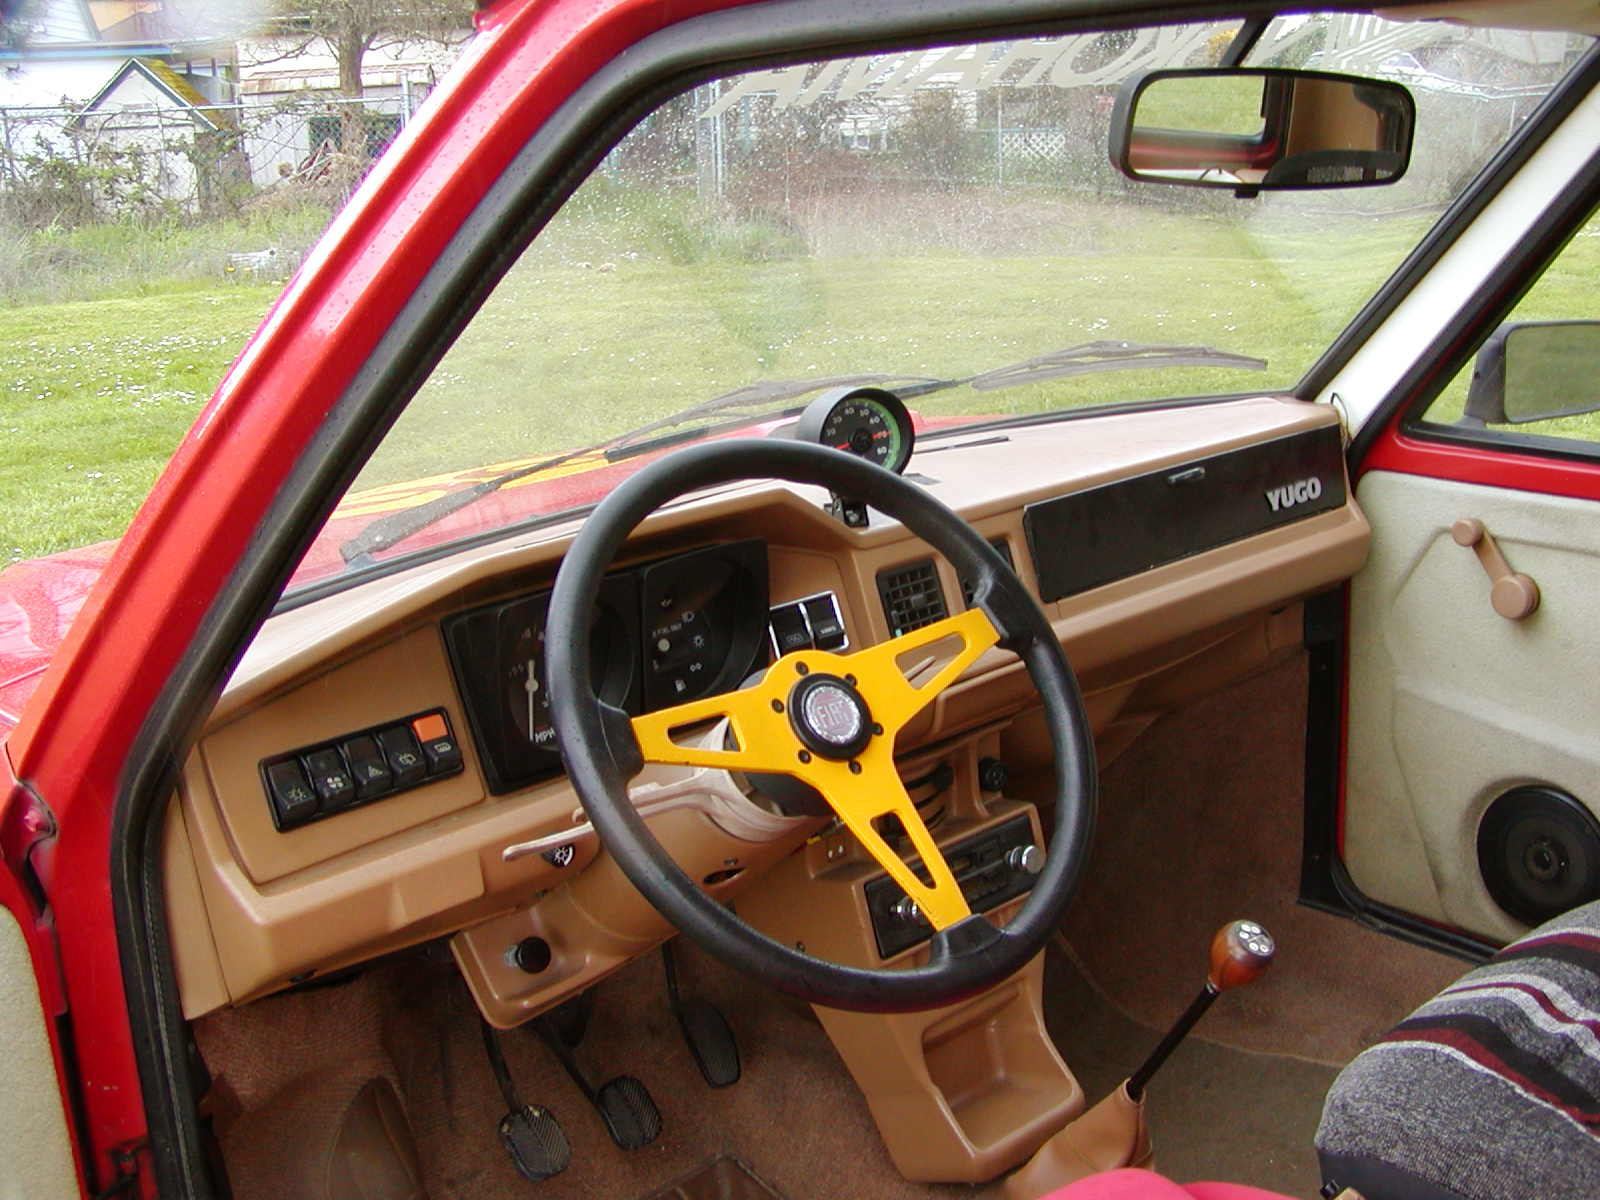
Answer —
565 354
95 397
96 394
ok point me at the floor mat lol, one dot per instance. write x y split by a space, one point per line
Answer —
1200 824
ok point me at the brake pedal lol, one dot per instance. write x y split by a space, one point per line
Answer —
705 1029
624 1104
531 1135
630 1114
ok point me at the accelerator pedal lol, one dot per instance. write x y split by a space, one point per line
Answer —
705 1029
624 1104
531 1135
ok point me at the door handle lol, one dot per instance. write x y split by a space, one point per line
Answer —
1512 594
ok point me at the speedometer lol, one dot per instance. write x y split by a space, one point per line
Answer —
868 422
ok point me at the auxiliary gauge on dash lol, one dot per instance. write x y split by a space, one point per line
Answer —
865 421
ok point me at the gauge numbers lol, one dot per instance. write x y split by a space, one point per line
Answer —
526 696
868 422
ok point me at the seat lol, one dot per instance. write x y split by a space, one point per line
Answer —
1489 1091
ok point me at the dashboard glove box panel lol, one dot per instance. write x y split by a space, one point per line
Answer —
1088 538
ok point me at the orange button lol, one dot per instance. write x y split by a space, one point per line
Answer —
430 727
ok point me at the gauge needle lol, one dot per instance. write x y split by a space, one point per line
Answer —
532 685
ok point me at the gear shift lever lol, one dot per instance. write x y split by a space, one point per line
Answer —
1112 1134
1240 954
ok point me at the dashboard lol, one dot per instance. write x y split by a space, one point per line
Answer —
1168 548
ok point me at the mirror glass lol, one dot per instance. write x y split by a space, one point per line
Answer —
1552 370
1258 130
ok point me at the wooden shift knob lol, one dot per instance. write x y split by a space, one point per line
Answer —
1240 953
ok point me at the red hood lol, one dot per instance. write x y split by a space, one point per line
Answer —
40 598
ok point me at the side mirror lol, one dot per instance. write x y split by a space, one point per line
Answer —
1256 130
1533 371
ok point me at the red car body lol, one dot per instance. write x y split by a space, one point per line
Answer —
93 642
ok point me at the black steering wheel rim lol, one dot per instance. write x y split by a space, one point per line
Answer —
601 753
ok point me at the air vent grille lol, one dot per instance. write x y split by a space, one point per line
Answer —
911 596
1003 549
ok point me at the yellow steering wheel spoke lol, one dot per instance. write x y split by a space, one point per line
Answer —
763 737
830 720
896 699
862 800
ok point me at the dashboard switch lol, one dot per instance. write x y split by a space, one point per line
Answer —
367 764
429 726
789 630
439 748
827 630
330 779
293 800
403 754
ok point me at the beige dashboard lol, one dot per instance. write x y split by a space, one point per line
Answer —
254 909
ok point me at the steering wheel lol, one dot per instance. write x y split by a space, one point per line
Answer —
829 720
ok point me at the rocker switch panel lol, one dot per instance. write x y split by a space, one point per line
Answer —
317 781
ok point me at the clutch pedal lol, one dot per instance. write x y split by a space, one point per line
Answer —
531 1134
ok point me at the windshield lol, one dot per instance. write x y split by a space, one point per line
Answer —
925 220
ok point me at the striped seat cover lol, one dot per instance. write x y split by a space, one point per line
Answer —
1489 1091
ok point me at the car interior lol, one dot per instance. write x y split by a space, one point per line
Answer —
415 958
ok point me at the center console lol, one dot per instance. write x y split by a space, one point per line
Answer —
962 1093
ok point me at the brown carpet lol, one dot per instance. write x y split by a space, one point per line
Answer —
1215 1113
1200 824
795 1118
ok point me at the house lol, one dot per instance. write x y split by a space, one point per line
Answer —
72 48
169 138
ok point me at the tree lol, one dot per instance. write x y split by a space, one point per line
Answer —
353 27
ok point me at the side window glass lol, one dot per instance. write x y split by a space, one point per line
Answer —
1539 373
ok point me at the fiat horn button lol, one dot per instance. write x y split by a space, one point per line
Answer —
830 717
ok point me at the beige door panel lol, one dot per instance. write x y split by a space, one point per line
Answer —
35 1146
1452 704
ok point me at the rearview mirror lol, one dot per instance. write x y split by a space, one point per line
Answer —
1256 130
1533 371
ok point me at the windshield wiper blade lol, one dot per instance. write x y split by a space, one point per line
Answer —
395 527
1089 357
767 393
763 398
767 399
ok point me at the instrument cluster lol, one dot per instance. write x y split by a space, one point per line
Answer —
664 633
